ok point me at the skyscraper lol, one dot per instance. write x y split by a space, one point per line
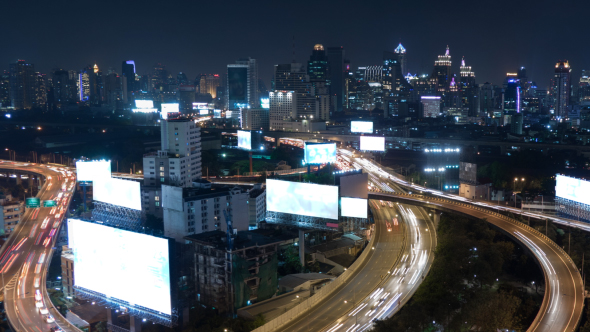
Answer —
395 86
22 85
561 87
208 84
242 84
128 71
442 72
469 90
5 89
401 54
336 71
159 76
317 66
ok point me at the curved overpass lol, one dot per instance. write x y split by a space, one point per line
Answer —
563 303
27 253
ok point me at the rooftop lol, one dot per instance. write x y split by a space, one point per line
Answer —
244 239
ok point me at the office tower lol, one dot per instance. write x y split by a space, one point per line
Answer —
516 124
282 108
5 89
469 90
401 54
373 74
181 78
561 88
40 90
430 106
208 84
254 118
84 84
22 85
128 71
486 99
186 98
512 100
291 77
63 88
583 93
114 94
442 71
317 66
242 84
159 76
395 86
336 71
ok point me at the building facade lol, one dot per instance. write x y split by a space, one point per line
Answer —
22 85
561 88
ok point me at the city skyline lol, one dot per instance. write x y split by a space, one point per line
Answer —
490 45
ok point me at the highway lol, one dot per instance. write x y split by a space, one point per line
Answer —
397 249
563 302
25 257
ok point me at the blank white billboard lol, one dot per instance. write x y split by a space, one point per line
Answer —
169 108
372 143
361 127
120 264
93 170
320 153
144 103
300 198
576 190
117 192
353 207
244 140
355 185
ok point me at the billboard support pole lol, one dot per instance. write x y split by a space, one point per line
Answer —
302 248
250 155
84 191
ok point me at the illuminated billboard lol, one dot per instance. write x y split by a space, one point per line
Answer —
144 104
217 114
237 83
244 140
93 170
576 190
203 112
361 127
121 265
119 192
200 106
353 207
169 108
301 198
372 143
320 153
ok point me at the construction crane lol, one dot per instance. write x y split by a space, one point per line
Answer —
230 230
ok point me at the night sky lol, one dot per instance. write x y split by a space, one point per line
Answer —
203 36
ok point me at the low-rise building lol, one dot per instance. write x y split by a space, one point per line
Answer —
257 204
230 279
199 209
11 214
67 271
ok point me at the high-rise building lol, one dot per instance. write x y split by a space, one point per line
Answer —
208 84
5 89
40 90
84 84
583 93
186 98
561 88
181 78
317 66
336 71
114 93
512 99
291 77
469 90
430 106
442 72
255 118
242 84
128 71
282 108
159 76
22 85
395 86
401 54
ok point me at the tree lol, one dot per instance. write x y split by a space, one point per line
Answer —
504 307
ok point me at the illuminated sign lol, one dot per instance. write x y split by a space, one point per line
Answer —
265 103
320 153
302 198
372 143
573 189
200 106
144 104
217 114
121 265
117 192
244 140
353 207
361 127
169 108
203 112
93 170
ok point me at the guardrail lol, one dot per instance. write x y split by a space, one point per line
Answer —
305 306
515 222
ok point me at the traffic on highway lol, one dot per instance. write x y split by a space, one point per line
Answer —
27 253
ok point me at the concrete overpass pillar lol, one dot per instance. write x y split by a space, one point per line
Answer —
135 324
436 218
302 247
18 179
